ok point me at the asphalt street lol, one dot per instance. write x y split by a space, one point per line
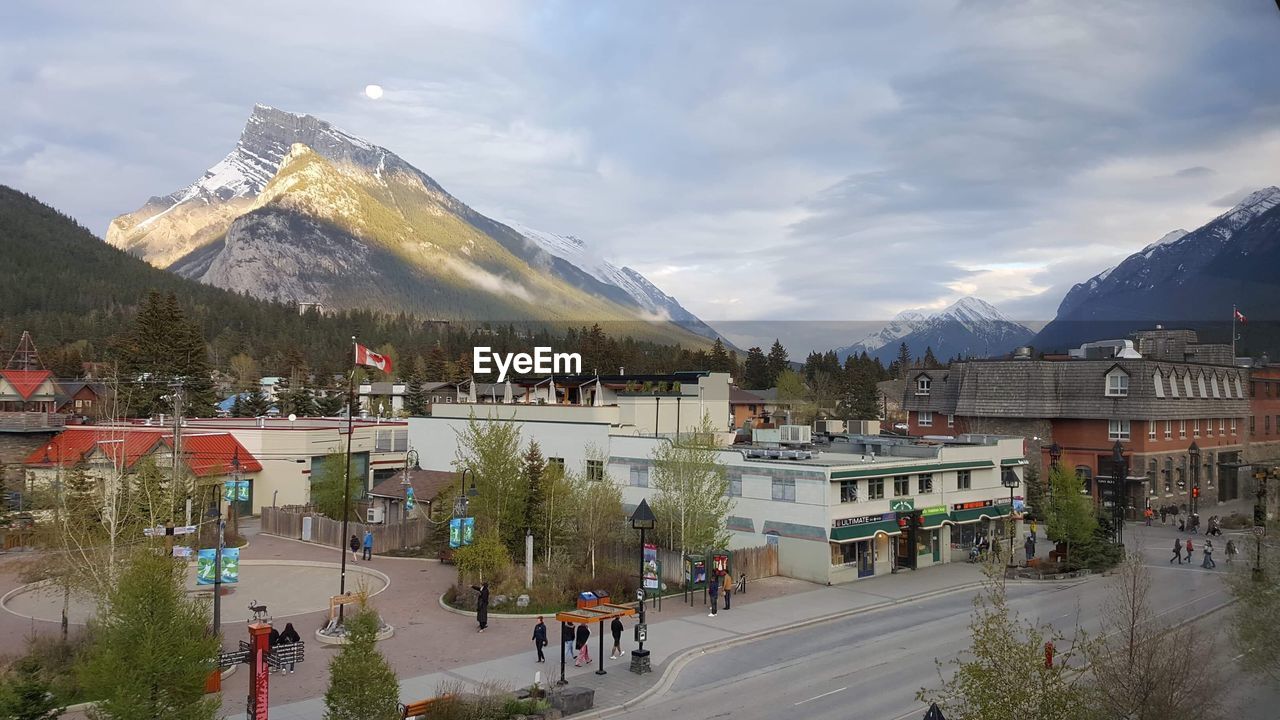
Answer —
871 665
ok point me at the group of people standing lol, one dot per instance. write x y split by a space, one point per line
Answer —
1207 550
576 641
277 638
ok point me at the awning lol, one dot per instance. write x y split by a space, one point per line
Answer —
975 514
865 530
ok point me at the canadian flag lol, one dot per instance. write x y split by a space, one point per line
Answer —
1240 317
369 358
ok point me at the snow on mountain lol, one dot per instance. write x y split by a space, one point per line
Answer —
968 327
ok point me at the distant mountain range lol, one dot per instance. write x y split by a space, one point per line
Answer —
303 212
969 327
1186 279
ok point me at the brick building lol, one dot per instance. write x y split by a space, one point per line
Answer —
1178 408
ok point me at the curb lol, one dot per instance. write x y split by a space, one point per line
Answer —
679 661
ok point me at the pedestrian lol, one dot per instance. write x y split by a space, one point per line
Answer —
540 639
1182 524
288 637
616 628
1177 551
1195 523
354 544
1030 546
726 588
582 643
1231 551
1190 552
1033 528
1164 514
1208 555
273 639
1147 515
368 544
714 590
482 604
566 638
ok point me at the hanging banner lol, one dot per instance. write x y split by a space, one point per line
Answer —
409 501
207 558
235 490
242 491
468 530
455 533
650 567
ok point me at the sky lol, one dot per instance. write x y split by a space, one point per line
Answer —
759 161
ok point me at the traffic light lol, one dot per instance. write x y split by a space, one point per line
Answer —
1259 516
1195 492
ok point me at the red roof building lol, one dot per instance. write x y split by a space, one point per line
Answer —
205 454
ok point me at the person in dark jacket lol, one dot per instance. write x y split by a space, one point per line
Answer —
354 544
287 637
582 643
482 605
567 638
540 638
615 627
713 589
273 639
1177 551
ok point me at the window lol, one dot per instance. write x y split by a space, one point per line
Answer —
1182 429
1168 429
845 553
901 485
875 489
848 491
557 463
1085 473
1208 427
1222 426
639 476
1253 388
1200 385
1213 385
924 484
924 418
1234 431
1186 385
1117 429
1117 384
1239 389
735 486
1151 429
964 480
1158 379
595 470
784 490
1253 424
1173 384
951 420
1195 428
922 385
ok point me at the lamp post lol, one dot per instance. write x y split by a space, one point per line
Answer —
1119 471
1055 454
642 519
1193 501
1009 479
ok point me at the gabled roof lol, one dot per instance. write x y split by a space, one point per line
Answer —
26 382
742 397
206 454
427 484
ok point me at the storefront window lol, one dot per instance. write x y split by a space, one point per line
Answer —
925 485
901 485
848 491
875 488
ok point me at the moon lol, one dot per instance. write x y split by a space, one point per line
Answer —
373 92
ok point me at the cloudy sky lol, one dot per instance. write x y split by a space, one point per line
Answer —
758 160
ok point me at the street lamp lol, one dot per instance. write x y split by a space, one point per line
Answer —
1119 471
1009 479
1055 454
642 519
1193 453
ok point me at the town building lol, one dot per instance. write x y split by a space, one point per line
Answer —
1178 408
747 409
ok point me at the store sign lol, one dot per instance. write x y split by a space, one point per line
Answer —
853 521
973 505
905 505
934 510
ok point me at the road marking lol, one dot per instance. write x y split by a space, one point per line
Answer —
815 697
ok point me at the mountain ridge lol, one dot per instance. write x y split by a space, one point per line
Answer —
968 327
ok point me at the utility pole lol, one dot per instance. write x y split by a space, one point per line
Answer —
176 395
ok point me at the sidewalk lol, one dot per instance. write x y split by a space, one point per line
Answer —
671 632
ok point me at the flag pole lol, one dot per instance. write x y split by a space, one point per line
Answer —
346 477
1233 334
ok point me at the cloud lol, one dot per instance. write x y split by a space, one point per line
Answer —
839 163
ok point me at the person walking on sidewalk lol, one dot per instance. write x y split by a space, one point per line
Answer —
582 643
1208 556
1231 551
368 544
713 588
482 605
1177 551
615 627
354 544
540 639
1191 552
726 587
566 639
288 637
1147 514
1030 546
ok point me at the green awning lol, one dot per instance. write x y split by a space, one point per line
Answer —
975 514
934 521
863 531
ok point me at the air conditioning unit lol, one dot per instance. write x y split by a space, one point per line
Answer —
795 434
375 515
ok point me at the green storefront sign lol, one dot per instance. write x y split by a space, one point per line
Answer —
858 528
902 505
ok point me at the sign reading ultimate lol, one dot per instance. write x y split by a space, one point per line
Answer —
543 361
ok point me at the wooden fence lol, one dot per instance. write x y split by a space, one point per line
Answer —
326 531
756 562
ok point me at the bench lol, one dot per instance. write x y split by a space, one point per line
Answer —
422 707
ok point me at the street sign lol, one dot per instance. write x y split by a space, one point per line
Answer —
181 551
161 531
1259 530
184 530
906 505
235 657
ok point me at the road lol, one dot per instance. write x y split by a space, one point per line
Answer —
871 665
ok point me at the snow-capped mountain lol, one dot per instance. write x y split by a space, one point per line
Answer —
647 295
1182 279
969 327
301 211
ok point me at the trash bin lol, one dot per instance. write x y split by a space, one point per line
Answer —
602 596
587 599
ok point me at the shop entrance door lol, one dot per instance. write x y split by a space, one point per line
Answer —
867 558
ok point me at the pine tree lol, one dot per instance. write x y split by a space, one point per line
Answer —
531 475
903 360
755 370
25 695
415 393
929 360
150 651
362 685
719 359
434 371
777 363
